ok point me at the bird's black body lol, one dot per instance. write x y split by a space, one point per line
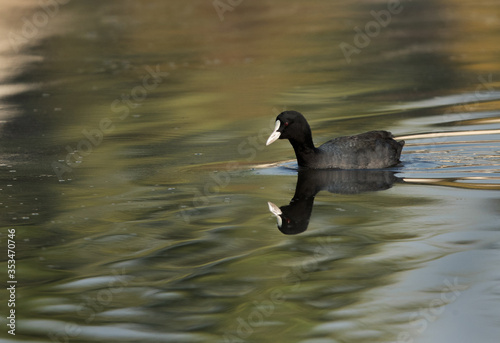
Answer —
370 150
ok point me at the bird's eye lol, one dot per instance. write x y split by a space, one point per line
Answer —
286 123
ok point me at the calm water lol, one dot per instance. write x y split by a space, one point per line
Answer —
134 171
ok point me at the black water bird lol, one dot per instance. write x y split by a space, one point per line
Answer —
370 150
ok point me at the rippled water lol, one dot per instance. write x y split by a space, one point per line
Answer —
134 170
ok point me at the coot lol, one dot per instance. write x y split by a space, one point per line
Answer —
370 150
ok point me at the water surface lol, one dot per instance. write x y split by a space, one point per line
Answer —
133 167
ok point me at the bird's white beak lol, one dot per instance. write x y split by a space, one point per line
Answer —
275 210
276 134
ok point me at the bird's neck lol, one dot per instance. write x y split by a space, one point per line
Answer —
304 150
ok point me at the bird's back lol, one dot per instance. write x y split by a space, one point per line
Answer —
370 150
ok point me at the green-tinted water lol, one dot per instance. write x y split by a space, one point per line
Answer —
134 171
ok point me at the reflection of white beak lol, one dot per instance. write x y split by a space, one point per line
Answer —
277 212
276 134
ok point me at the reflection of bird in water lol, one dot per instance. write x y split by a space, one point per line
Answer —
370 150
294 217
